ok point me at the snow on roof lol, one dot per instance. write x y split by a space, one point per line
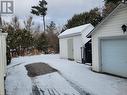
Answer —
76 31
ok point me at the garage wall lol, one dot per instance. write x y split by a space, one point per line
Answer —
77 43
110 28
77 48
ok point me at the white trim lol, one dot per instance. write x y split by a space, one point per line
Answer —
70 35
100 39
104 20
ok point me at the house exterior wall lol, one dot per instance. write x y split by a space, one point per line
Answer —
77 43
2 61
109 29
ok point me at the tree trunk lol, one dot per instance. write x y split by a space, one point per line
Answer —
44 22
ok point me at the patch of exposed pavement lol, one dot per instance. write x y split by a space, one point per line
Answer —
37 69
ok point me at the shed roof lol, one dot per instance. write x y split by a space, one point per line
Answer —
121 5
76 31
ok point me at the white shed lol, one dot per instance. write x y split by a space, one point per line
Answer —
72 40
109 43
2 61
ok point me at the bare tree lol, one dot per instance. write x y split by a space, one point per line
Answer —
28 24
15 23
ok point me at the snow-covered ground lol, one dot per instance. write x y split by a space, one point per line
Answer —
54 83
72 78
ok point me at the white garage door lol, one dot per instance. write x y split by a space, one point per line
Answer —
114 56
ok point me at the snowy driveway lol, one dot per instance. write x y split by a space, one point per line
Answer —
47 81
52 84
42 81
18 83
72 79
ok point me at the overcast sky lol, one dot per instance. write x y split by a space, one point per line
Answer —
59 11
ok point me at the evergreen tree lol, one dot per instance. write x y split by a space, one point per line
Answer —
40 10
93 17
27 39
17 38
113 1
42 43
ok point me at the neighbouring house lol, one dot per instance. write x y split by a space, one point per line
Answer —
109 43
71 41
3 61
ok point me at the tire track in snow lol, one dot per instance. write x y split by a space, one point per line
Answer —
35 89
76 87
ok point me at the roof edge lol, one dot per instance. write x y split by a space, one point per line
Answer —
70 35
105 19
74 34
89 26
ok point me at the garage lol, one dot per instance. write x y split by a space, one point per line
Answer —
71 41
114 56
109 43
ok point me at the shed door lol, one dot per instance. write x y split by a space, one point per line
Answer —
70 49
114 56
